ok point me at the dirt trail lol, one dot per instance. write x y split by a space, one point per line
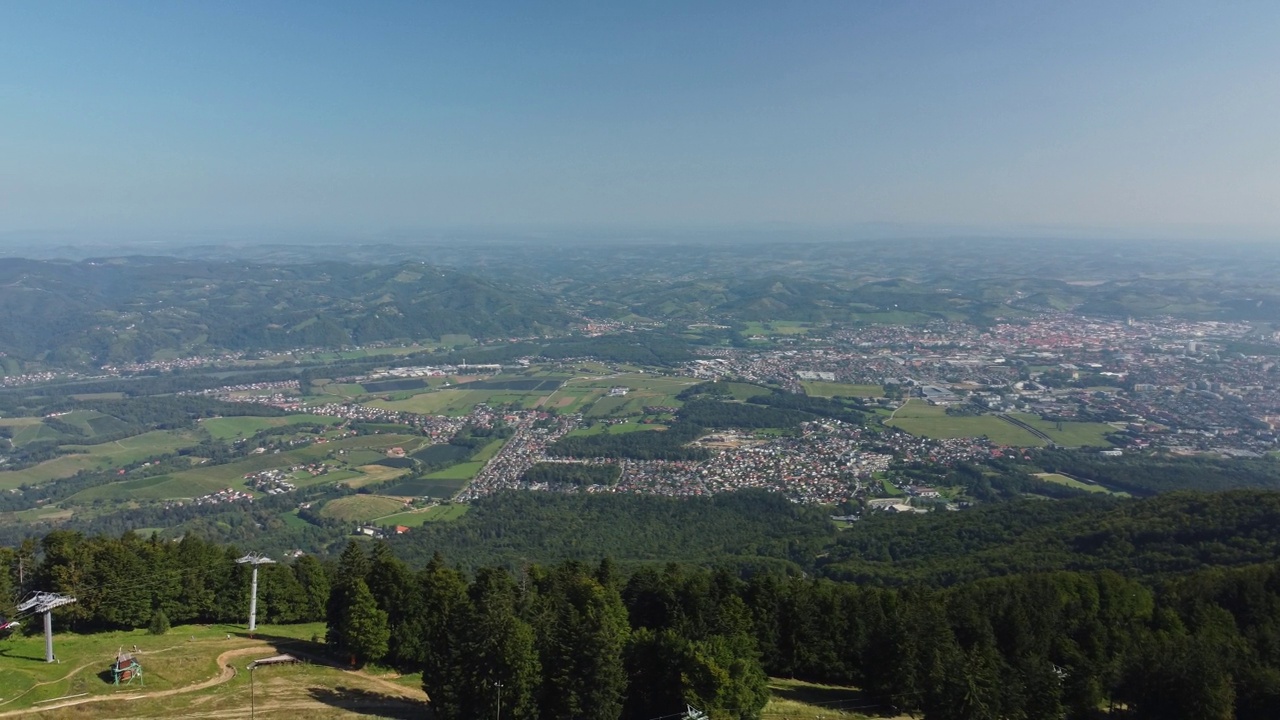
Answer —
225 673
86 666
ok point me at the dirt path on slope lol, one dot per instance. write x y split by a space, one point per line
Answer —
225 673
86 666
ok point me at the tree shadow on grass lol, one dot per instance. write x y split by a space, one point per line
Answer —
366 702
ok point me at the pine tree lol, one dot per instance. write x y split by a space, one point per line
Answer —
353 566
582 629
364 626
159 623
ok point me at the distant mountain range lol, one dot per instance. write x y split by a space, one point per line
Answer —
127 309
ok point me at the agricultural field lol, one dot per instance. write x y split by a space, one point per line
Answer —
461 471
745 391
920 418
1072 434
229 428
644 389
361 508
776 327
100 457
618 429
547 392
818 388
343 390
197 671
207 479
417 518
371 474
448 401
1077 484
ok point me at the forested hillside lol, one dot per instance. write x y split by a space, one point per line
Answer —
591 640
126 309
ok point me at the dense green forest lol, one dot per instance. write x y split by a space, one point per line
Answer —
1153 537
594 641
1146 474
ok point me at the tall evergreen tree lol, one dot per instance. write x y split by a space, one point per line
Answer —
582 629
364 626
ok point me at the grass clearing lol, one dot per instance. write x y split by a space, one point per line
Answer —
210 478
818 388
619 429
100 457
745 391
920 418
435 513
799 700
361 508
1078 484
448 401
228 428
1072 434
461 471
371 474
35 433
199 671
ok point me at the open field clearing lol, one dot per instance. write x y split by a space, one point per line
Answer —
196 672
35 432
435 513
542 392
370 474
920 418
99 457
776 327
461 471
618 429
798 700
449 401
361 508
745 391
228 428
206 479
818 388
1072 434
1078 484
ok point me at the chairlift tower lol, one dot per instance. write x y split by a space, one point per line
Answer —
45 602
693 714
254 559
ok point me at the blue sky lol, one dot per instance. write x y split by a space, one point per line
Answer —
1136 117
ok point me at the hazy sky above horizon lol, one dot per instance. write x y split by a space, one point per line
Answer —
1137 116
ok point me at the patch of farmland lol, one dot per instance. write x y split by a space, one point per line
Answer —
417 518
920 418
100 457
817 388
526 384
227 428
379 386
361 508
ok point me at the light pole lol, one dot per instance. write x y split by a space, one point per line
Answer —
252 665
498 685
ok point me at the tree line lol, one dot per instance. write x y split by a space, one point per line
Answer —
591 641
